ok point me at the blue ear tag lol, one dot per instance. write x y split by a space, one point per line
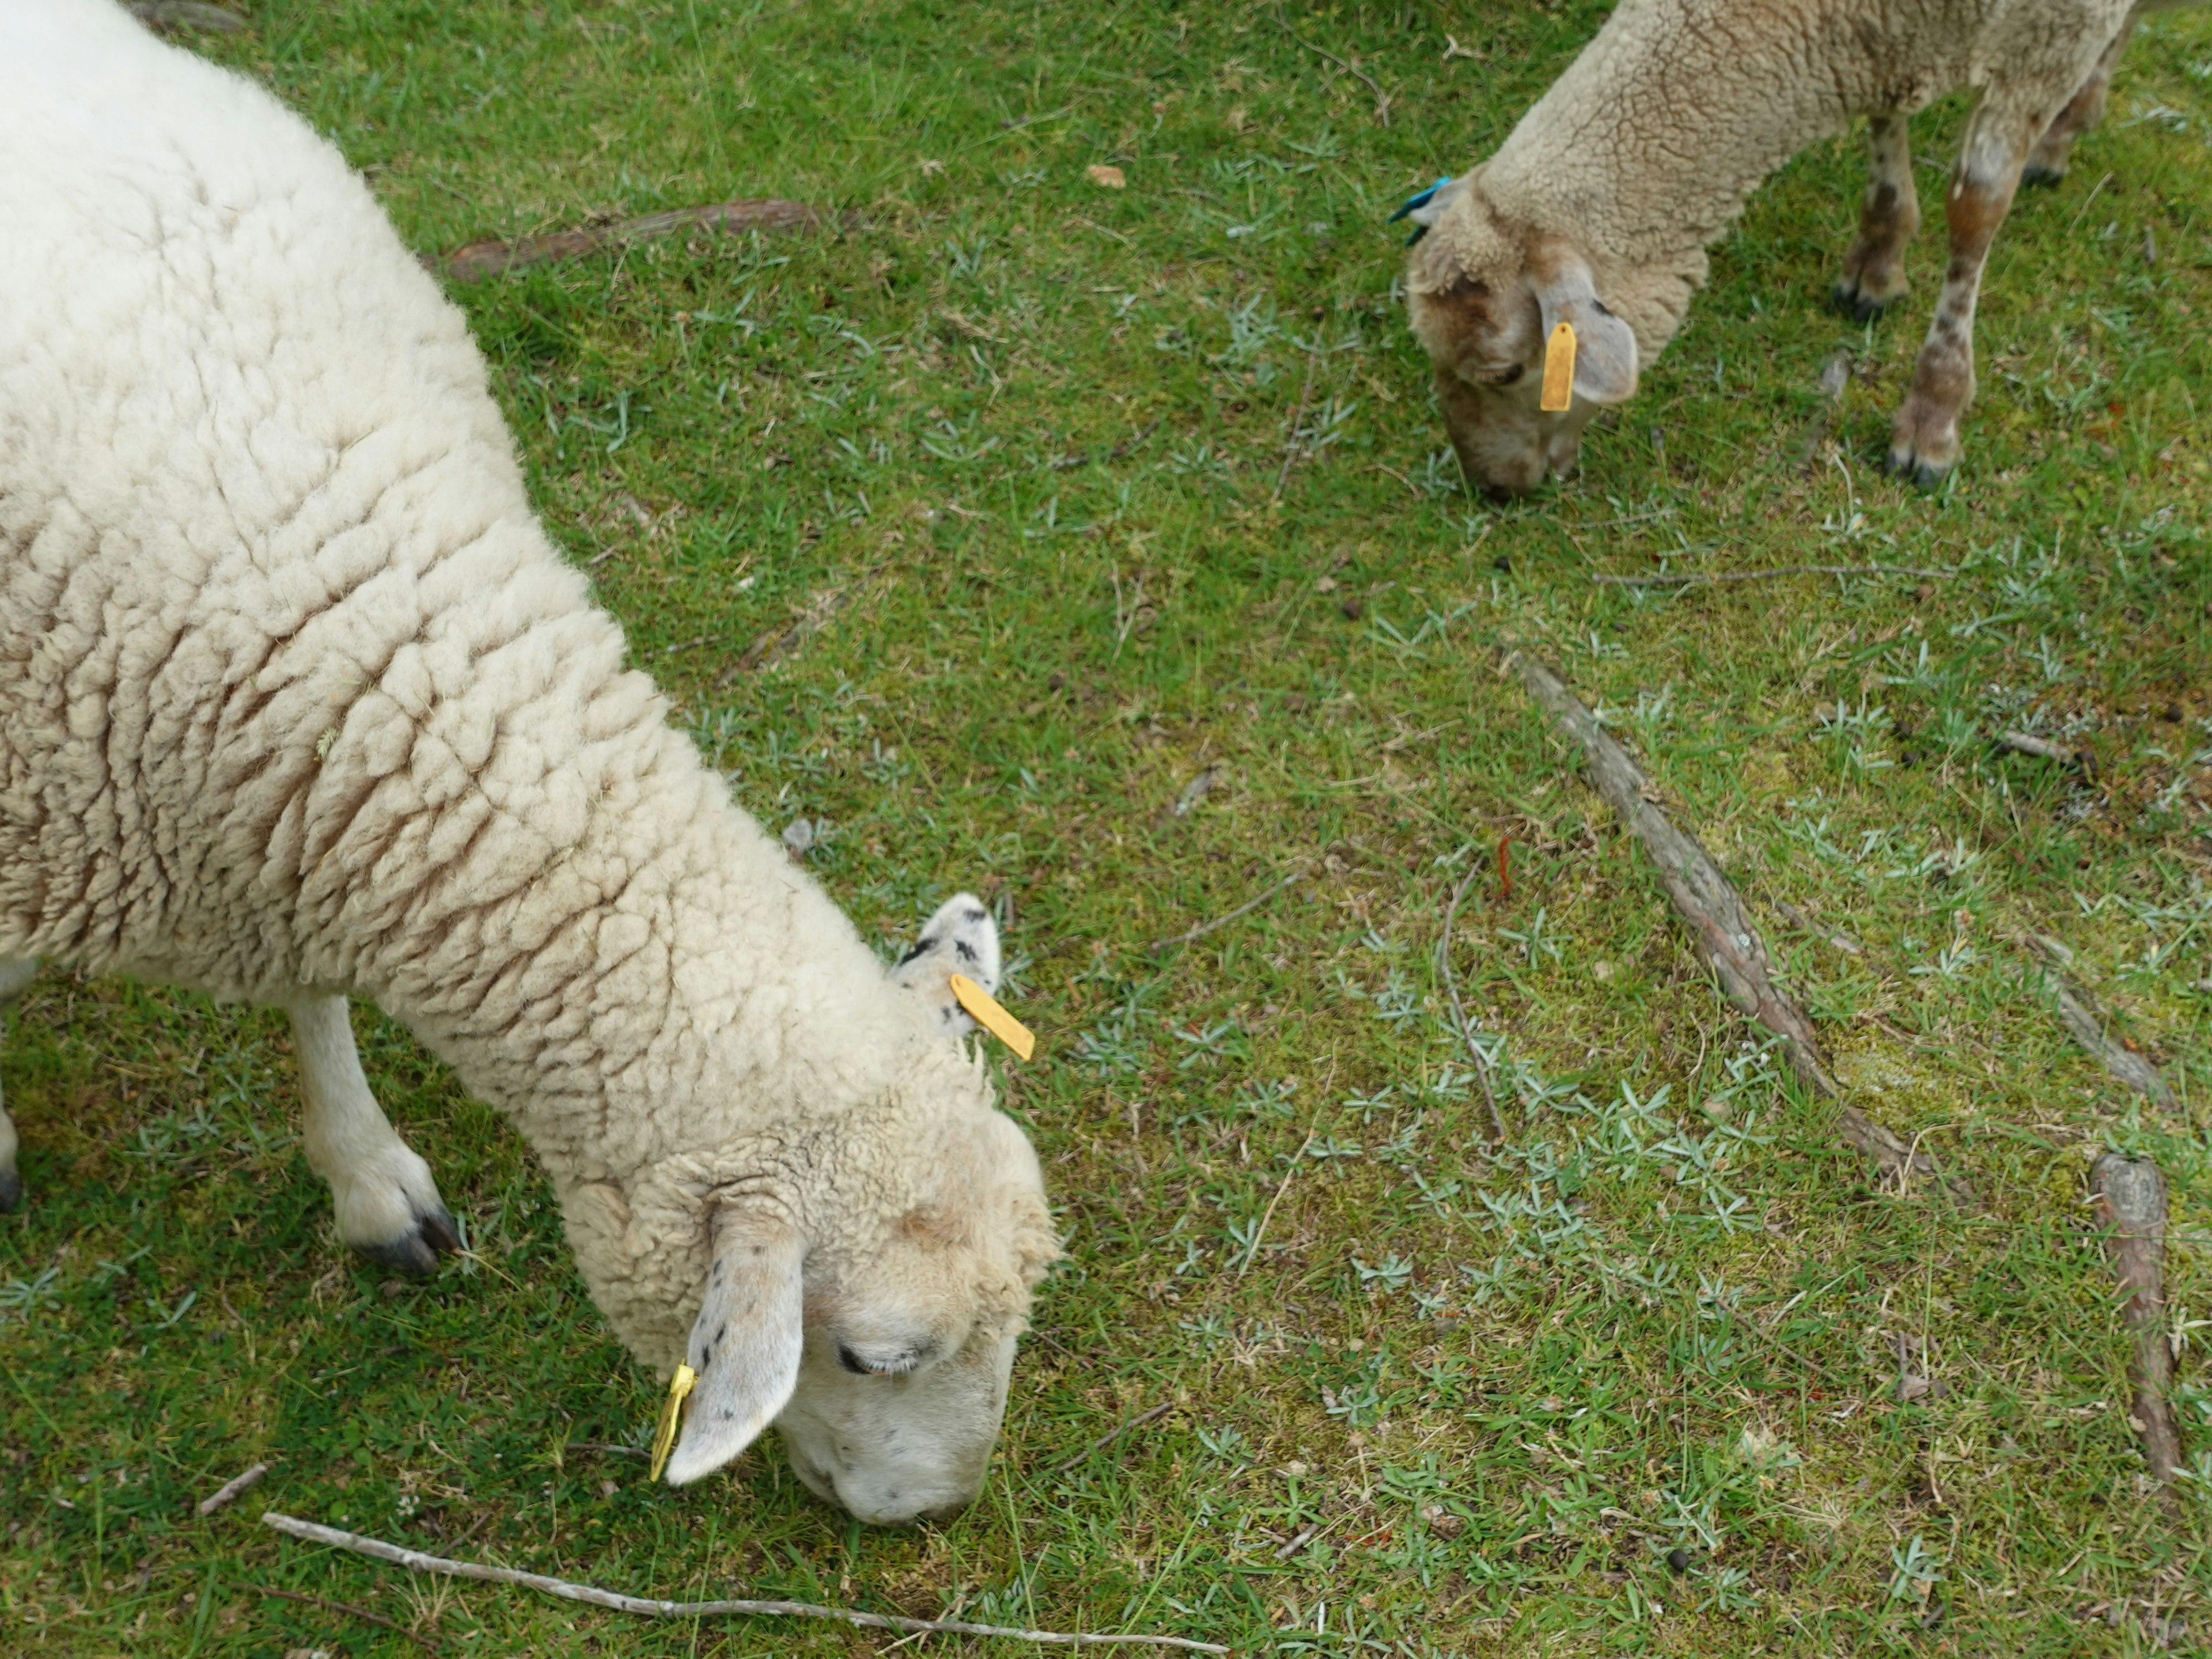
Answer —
1418 208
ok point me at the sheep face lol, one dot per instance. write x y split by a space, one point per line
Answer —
1484 299
881 1344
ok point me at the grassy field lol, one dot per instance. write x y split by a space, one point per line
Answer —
980 530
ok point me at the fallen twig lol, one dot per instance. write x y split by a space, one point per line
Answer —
351 1612
1805 924
416 1561
1115 1433
2085 1020
1451 989
165 16
2131 1197
1119 451
1382 97
1244 909
1260 1233
1290 442
480 259
1699 578
1703 898
2027 743
230 1489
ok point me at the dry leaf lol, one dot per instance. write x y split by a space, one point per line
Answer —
1110 176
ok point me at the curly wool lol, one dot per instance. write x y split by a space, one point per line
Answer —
295 692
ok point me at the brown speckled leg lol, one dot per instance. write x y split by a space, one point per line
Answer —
2047 162
1874 270
1924 441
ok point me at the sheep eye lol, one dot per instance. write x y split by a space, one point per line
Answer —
1509 377
898 1364
852 1362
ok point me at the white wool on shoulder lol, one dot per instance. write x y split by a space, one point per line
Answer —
297 698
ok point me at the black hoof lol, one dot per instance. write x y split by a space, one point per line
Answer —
11 1192
1925 475
1859 307
2042 177
415 1253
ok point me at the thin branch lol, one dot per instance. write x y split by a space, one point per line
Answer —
415 1561
1115 1433
2086 1021
1120 451
349 1611
1260 1233
2130 1196
480 259
1459 1012
1244 909
230 1489
1721 928
1382 97
2027 743
1291 443
1699 578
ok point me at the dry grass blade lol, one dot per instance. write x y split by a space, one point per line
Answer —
1244 909
416 1561
351 1612
1705 899
1703 578
478 260
2130 1196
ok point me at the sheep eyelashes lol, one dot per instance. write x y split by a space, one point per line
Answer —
746 1344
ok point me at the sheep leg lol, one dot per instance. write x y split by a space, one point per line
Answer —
14 976
2046 162
388 1206
1923 443
1874 270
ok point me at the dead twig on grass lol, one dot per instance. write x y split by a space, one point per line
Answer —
478 260
1382 97
1119 451
1115 1433
1290 442
1244 909
2130 1196
1459 1011
2086 1021
2027 743
351 1612
1703 898
1701 577
230 1489
416 1561
1260 1233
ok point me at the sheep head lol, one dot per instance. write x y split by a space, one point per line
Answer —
1484 296
882 1347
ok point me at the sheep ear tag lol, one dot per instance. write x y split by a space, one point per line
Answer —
1559 393
986 1011
672 1414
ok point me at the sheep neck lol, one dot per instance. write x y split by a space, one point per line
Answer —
1645 151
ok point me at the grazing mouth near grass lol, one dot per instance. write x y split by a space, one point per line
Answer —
1661 1369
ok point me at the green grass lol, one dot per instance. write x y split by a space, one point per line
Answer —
1012 441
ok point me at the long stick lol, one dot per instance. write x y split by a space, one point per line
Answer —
2131 1199
1721 928
1244 909
415 1561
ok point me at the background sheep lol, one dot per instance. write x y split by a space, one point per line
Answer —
1598 208
297 703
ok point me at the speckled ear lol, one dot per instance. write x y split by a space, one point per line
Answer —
960 938
745 1343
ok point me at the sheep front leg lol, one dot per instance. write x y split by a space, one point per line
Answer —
1923 443
2047 162
388 1205
14 976
1874 270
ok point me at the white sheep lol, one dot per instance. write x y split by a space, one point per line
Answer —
1598 208
298 703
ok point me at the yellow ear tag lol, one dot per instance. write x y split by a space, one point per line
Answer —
1558 370
672 1414
992 1018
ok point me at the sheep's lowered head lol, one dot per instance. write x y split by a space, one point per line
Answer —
1483 294
873 1318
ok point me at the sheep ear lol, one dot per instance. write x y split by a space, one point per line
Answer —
1605 346
960 938
745 1343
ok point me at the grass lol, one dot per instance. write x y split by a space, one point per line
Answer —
998 472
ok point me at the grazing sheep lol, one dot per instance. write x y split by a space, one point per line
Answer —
1598 208
298 703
